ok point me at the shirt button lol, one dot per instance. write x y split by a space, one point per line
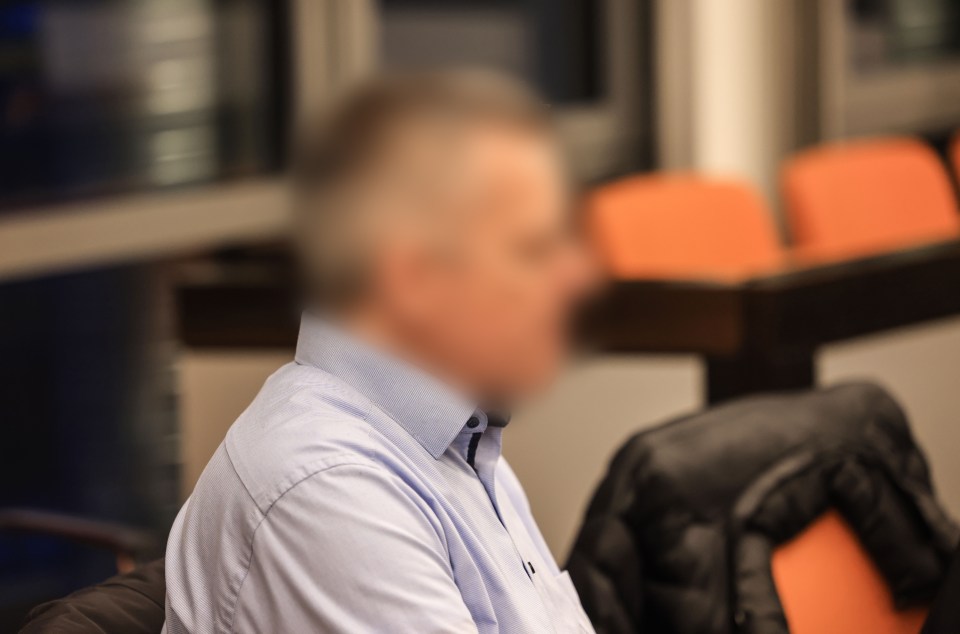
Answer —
473 423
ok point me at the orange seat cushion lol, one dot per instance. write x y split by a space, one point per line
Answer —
682 226
869 196
829 585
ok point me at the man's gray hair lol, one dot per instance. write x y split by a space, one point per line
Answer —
343 144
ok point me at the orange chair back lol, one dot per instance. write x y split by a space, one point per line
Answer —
681 226
868 196
828 585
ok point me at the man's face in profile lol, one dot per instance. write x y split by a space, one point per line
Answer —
493 300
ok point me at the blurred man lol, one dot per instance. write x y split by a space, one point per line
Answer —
363 489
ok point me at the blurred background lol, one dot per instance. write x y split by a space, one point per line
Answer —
144 293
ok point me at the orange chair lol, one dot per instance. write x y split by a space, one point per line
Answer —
829 585
868 196
681 226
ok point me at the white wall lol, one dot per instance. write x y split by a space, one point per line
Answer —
214 388
560 446
736 121
725 89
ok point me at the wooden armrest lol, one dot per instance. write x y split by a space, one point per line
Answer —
128 543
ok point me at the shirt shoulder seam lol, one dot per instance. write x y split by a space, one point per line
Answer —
243 483
263 517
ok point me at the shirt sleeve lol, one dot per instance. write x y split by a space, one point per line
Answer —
350 549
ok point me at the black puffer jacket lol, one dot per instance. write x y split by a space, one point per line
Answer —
678 537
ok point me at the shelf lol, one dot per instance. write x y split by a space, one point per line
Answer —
138 227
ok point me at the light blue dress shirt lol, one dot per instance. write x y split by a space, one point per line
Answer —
357 494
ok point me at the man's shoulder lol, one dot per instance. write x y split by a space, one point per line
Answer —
302 422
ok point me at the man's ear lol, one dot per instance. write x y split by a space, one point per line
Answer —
406 279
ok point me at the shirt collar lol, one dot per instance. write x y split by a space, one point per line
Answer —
427 409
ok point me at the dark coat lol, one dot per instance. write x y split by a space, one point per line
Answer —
132 603
679 535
